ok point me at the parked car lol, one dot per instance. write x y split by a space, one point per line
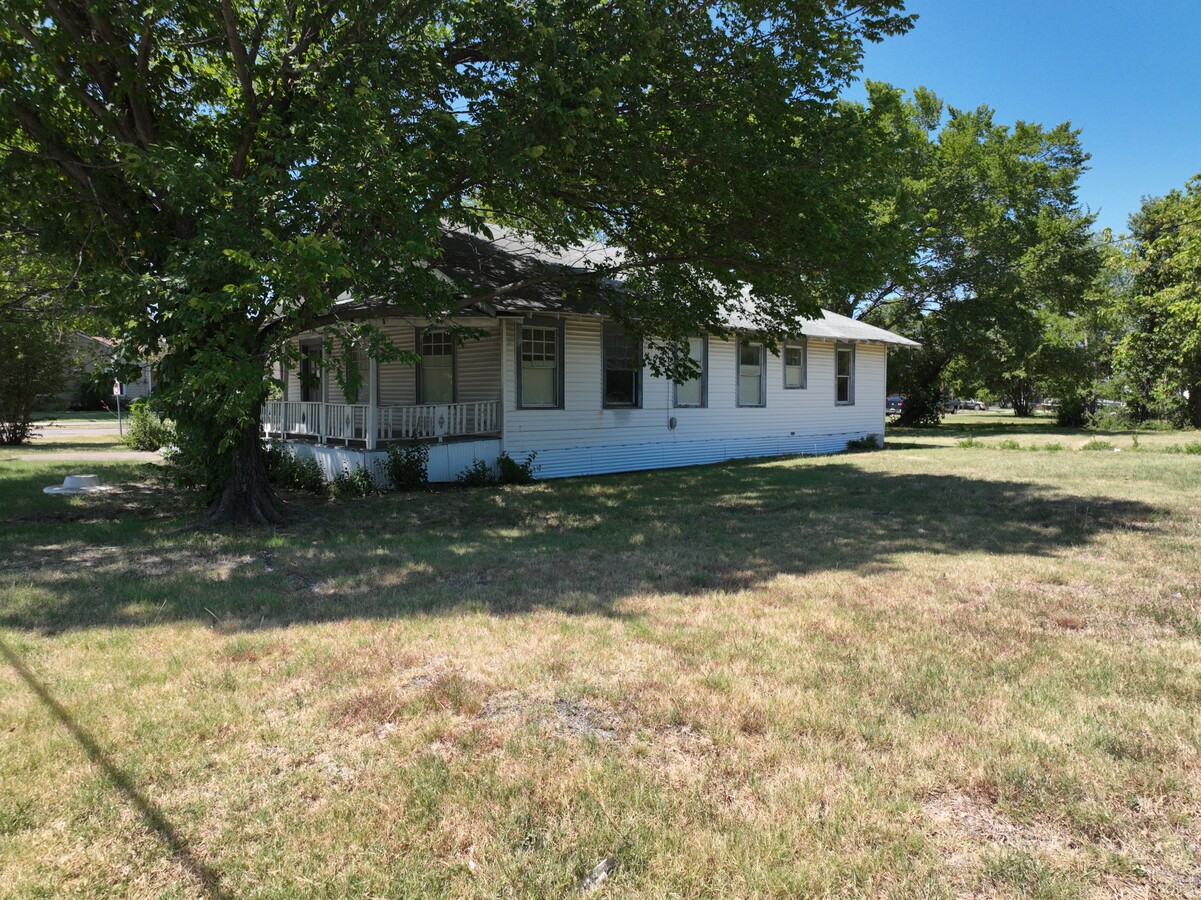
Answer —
894 404
957 404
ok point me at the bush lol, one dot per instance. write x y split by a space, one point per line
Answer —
478 474
971 443
514 472
1098 445
1072 411
145 429
356 482
285 469
1111 418
1009 444
868 442
407 468
1053 448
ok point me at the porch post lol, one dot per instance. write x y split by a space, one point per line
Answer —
372 407
324 395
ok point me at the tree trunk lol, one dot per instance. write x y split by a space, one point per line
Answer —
1194 404
247 498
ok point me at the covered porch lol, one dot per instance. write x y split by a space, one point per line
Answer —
452 394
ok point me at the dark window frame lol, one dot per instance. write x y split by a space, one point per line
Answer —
803 346
838 349
742 341
561 363
611 330
418 334
704 379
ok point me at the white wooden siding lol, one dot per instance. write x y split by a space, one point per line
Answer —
585 438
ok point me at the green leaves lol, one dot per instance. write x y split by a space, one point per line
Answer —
225 171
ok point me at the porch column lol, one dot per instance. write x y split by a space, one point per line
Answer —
372 403
324 384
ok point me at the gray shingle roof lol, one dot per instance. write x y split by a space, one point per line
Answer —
518 276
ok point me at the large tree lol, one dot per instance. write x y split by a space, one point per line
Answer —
1160 351
999 247
227 169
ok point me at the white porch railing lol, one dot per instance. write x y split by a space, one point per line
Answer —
347 422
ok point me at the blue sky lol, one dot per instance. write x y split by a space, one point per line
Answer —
1127 73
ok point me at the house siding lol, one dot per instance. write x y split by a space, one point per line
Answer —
477 364
584 438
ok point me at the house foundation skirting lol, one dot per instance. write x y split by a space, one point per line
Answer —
599 460
446 460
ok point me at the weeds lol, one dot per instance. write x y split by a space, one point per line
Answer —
352 483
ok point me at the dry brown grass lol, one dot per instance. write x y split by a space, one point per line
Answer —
926 672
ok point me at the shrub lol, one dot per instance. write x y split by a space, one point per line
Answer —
1009 444
971 443
285 469
407 468
1053 448
146 430
514 472
356 482
1098 445
1072 411
1111 418
867 442
478 474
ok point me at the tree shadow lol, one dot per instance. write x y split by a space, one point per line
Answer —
578 546
207 879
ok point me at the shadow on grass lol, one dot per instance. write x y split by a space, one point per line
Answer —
578 546
151 815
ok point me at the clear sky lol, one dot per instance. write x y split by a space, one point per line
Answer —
1127 73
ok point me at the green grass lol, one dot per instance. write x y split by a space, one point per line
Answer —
80 416
930 671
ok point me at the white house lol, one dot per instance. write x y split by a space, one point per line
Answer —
550 376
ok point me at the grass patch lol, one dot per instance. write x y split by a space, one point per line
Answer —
927 672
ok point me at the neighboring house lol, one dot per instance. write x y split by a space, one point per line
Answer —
550 375
91 354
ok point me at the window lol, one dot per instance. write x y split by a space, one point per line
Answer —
844 375
751 366
310 373
436 371
623 368
355 374
540 367
794 366
693 392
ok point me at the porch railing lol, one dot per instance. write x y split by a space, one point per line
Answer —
347 422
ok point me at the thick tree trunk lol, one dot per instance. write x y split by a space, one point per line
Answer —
247 498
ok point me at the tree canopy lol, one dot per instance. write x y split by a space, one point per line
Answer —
1159 310
225 170
998 248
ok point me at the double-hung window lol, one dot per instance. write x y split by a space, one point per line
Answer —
693 392
436 373
844 374
752 364
623 369
540 366
794 366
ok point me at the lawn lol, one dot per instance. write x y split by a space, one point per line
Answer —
934 670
